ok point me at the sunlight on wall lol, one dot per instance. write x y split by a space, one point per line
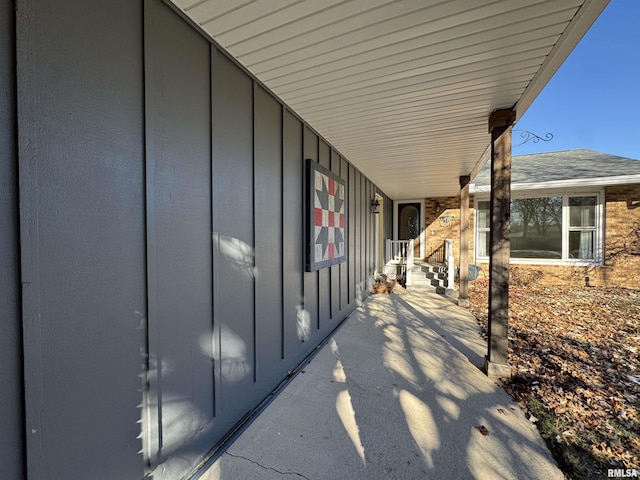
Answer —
233 356
239 254
180 418
347 415
303 323
234 365
177 417
156 367
421 425
370 283
360 293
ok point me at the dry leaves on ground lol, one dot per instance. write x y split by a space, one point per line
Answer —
576 351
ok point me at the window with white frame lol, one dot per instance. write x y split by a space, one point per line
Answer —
582 227
547 228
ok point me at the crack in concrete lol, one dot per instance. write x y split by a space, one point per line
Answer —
267 468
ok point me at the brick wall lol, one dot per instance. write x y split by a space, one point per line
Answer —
621 236
442 220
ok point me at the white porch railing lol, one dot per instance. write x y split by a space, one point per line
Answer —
450 261
400 252
398 259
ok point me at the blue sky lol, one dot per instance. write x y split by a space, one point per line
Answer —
593 100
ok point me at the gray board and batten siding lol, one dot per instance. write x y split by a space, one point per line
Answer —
154 290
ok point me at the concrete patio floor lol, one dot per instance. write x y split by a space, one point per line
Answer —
396 393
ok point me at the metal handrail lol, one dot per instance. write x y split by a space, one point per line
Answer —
438 256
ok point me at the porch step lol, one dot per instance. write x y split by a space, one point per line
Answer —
425 276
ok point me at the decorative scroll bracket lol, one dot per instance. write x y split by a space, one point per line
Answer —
530 136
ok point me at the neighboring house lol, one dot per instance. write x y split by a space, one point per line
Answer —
574 215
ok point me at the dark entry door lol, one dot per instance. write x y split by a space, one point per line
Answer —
409 224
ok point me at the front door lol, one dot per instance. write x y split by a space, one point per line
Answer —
409 225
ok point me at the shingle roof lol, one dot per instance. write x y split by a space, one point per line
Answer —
563 166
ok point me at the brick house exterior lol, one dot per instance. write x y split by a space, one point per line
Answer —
613 181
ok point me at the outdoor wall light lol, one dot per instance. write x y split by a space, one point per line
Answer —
437 207
375 205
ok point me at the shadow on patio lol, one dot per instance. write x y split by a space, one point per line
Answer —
396 393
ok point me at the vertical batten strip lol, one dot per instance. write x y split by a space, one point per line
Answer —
154 397
282 236
215 248
253 223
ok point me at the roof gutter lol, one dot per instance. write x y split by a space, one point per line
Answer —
582 182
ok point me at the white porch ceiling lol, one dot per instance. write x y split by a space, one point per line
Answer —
401 88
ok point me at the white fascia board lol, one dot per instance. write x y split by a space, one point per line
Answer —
557 184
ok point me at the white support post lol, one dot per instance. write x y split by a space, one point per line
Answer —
409 258
376 243
450 265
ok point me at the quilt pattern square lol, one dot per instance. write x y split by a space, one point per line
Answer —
326 243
